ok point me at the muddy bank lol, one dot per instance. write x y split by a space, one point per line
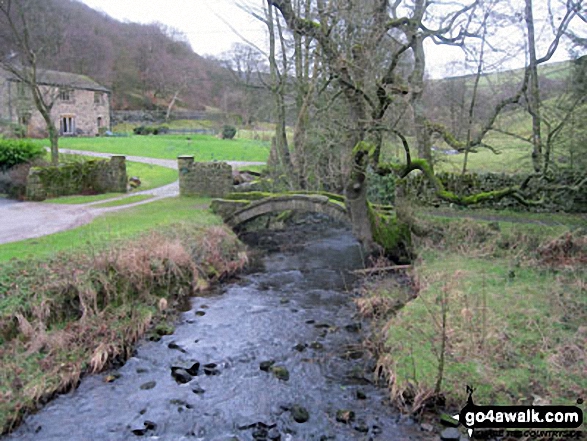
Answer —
275 355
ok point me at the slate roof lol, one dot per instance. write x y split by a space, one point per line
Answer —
64 79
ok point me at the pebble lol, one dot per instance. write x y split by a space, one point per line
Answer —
345 416
266 365
354 327
299 414
280 372
180 375
211 369
197 389
316 345
148 385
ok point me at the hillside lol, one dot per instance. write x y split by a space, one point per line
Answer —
145 66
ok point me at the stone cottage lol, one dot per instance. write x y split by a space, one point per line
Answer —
81 105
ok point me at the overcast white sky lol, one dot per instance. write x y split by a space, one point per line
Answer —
204 23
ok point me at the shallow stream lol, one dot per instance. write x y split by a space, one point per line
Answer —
292 315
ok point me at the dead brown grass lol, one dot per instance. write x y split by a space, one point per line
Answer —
77 314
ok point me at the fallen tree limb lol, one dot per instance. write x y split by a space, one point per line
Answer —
383 269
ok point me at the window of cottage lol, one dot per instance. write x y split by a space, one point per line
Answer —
21 90
65 94
97 98
24 119
68 125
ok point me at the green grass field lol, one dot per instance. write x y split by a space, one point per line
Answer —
112 227
202 147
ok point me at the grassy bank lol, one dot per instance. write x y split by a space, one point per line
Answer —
501 311
74 312
113 227
202 147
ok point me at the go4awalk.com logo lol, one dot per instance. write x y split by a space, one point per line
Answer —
561 418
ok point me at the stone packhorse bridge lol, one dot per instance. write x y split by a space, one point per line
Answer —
236 210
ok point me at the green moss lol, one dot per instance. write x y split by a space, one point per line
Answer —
392 234
248 196
309 24
364 147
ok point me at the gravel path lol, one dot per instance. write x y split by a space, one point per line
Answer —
27 220
170 163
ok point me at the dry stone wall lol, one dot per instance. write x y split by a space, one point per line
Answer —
88 177
418 188
212 179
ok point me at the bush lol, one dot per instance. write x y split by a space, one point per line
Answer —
15 151
150 130
381 189
228 132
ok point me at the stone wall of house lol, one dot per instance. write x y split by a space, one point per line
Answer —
213 179
88 177
83 106
417 188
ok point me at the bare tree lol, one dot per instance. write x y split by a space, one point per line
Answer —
374 53
31 32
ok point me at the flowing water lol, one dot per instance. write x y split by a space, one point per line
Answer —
293 315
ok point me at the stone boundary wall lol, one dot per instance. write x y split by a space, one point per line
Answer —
417 188
212 179
87 177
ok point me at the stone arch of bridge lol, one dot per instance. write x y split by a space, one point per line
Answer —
277 204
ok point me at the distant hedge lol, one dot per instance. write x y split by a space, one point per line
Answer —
151 130
18 151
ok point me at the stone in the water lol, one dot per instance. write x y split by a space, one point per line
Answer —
450 434
139 432
280 372
352 355
164 329
316 345
180 375
310 322
142 370
148 385
361 426
197 389
354 327
112 377
283 301
361 395
345 416
300 347
149 425
299 414
274 435
193 371
175 346
200 313
322 326
266 365
260 433
211 369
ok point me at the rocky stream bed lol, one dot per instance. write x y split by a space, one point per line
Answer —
275 355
